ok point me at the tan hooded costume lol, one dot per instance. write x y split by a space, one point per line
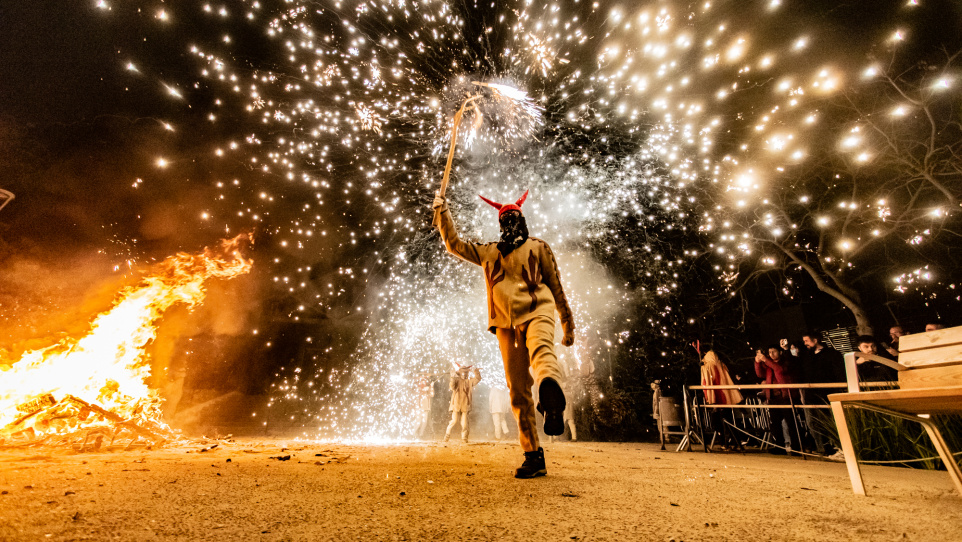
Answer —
463 381
462 389
521 286
523 292
499 404
425 397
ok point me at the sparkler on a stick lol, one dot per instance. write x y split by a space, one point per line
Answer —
467 105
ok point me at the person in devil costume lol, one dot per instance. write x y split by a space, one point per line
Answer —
524 290
463 381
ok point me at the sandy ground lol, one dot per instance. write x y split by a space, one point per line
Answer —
593 491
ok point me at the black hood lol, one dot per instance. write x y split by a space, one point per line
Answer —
514 232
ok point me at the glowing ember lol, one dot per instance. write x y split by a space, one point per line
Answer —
107 370
369 118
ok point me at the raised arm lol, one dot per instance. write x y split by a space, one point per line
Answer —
449 234
552 278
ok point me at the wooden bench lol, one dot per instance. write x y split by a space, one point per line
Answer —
930 382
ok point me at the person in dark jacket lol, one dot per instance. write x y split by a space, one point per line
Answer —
821 364
895 333
872 371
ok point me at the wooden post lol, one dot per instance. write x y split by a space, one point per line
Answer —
845 439
454 138
851 372
944 453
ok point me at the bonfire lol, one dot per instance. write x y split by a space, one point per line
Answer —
93 391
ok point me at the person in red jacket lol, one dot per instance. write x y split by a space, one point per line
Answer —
773 368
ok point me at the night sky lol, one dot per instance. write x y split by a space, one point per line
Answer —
68 103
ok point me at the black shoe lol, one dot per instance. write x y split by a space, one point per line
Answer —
533 465
552 406
777 451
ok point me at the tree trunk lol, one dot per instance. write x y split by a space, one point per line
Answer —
862 324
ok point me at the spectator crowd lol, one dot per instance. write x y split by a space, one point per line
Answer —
807 361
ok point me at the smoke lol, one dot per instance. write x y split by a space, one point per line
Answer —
431 310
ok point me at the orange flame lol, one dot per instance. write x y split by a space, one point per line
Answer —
109 366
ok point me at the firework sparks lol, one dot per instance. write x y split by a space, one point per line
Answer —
657 118
369 118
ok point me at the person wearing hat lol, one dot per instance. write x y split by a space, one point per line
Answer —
463 381
523 292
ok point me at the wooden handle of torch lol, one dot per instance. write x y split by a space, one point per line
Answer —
447 167
454 139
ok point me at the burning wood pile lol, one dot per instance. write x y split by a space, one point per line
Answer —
93 391
82 425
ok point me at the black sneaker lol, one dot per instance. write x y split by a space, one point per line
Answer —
552 407
533 465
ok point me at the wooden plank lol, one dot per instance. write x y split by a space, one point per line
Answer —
923 405
913 401
947 391
931 377
947 459
879 359
851 372
769 386
932 339
941 355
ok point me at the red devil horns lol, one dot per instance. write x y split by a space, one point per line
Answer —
520 201
503 208
494 204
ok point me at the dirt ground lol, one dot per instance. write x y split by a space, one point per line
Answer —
246 490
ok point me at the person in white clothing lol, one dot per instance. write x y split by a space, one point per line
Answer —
500 404
569 415
425 396
569 418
